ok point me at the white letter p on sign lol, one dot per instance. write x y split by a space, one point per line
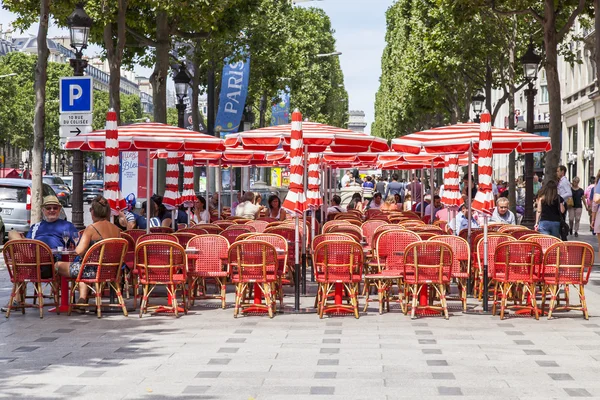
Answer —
75 93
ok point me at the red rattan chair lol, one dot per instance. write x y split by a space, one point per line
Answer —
567 263
241 221
427 264
198 231
460 264
330 224
162 263
213 229
338 263
184 237
289 233
232 232
518 234
543 240
281 245
258 225
389 256
208 262
135 234
156 236
368 229
161 229
129 261
494 227
27 260
426 235
494 240
352 230
223 224
517 263
330 236
372 212
254 262
106 257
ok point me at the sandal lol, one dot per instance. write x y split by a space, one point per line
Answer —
81 310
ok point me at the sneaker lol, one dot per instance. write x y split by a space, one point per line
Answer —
576 234
5 308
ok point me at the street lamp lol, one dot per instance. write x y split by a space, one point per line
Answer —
530 61
79 26
477 101
182 80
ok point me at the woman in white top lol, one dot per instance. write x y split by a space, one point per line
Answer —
200 214
275 210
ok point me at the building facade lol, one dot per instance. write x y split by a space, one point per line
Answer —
356 121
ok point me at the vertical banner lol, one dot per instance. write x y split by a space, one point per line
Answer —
280 112
188 122
232 99
130 173
276 177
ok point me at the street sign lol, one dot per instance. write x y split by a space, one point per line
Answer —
74 130
82 119
76 94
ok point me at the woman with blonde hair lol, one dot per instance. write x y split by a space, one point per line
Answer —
389 204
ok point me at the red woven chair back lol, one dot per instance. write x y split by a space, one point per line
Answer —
212 253
258 225
232 232
279 242
474 231
331 236
428 262
368 229
543 240
372 212
156 236
441 224
329 224
195 231
494 227
24 259
184 237
383 228
135 234
213 229
494 240
427 235
222 224
519 260
130 249
268 220
253 261
352 230
161 229
426 219
390 247
338 261
159 261
518 234
241 221
289 233
568 263
106 257
380 217
461 252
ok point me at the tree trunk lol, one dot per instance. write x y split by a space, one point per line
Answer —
512 194
158 79
115 55
551 43
488 86
195 95
41 76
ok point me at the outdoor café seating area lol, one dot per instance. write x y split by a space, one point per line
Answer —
356 263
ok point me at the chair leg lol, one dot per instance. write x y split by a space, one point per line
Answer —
324 290
442 289
505 290
495 301
531 288
23 293
238 295
224 292
268 298
99 288
56 292
144 301
120 298
40 296
415 290
171 289
544 291
381 290
354 298
553 293
583 302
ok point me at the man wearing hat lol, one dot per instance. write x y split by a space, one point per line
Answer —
50 229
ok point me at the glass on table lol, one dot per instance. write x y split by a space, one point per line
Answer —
66 236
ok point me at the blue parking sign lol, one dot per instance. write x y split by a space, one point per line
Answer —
76 94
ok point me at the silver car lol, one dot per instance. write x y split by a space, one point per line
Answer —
15 202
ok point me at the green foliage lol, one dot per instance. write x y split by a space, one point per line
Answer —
131 108
172 117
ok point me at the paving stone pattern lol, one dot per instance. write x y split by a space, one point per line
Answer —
208 354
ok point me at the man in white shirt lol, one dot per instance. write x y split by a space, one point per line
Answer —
564 187
346 179
247 208
335 207
502 214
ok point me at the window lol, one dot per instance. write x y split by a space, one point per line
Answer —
573 139
591 131
543 94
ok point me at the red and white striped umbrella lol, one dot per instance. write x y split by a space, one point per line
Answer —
295 201
171 196
317 137
451 196
456 139
188 197
112 193
484 199
313 195
148 136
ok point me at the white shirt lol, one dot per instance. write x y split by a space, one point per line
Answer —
204 217
247 210
564 188
335 209
508 218
345 180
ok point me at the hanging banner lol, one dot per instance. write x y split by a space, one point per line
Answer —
280 111
188 122
232 99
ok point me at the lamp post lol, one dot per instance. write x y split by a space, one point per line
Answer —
182 81
530 61
79 27
477 102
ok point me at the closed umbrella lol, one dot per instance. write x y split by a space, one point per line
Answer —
313 195
451 196
188 197
112 193
171 196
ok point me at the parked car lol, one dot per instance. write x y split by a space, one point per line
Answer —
91 189
68 180
63 192
15 203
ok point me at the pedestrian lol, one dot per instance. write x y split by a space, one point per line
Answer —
368 188
380 186
550 208
275 210
393 187
595 222
564 187
588 196
575 207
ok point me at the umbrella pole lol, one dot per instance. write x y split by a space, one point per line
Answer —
422 192
413 196
148 195
231 190
297 265
431 188
485 264
207 182
304 230
220 189
469 193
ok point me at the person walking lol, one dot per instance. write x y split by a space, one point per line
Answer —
564 187
380 186
575 207
550 208
588 196
368 188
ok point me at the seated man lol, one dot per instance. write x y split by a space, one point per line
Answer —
335 207
426 202
437 206
376 202
502 214
461 221
247 208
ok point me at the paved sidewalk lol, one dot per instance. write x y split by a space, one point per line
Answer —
210 355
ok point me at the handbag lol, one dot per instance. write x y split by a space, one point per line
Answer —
570 202
564 228
596 198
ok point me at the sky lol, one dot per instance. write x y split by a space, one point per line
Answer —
360 35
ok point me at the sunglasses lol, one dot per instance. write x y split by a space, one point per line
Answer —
52 208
